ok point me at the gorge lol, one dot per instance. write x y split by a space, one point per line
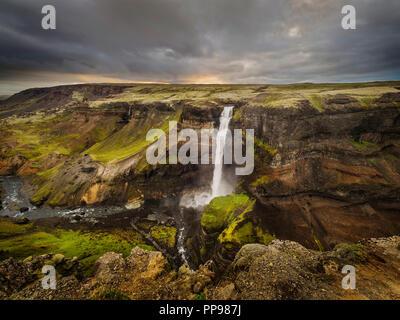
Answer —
73 161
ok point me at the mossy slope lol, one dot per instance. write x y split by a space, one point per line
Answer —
230 221
21 241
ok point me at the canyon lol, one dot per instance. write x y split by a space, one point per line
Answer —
326 174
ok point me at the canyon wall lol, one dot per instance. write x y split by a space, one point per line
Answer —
327 166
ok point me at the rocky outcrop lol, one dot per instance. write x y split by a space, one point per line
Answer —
287 270
282 270
143 275
21 279
206 116
10 166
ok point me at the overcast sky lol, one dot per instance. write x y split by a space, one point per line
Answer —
197 41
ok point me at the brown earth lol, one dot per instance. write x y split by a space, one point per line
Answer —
282 270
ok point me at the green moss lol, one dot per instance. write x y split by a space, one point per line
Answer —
237 115
111 295
200 296
261 145
130 140
245 234
260 181
88 247
241 232
203 251
351 253
317 102
50 173
100 133
263 236
364 146
36 139
317 242
366 102
146 247
42 193
9 229
221 211
54 197
164 235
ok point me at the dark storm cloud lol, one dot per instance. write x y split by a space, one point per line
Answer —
239 41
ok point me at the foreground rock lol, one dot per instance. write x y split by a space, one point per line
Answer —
281 270
22 279
286 270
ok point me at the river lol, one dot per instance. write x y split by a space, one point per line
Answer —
15 199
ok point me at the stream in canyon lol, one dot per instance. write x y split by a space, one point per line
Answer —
16 204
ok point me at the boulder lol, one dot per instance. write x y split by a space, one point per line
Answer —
19 276
22 220
283 270
13 206
108 267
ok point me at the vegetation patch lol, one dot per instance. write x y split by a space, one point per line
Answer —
317 242
164 235
37 137
9 228
366 102
237 115
364 146
200 296
242 232
317 102
351 253
260 181
88 247
110 295
130 140
222 210
265 147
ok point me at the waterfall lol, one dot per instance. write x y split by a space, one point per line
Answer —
130 112
201 199
225 118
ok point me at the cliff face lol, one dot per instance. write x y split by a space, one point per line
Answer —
334 174
87 144
322 176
